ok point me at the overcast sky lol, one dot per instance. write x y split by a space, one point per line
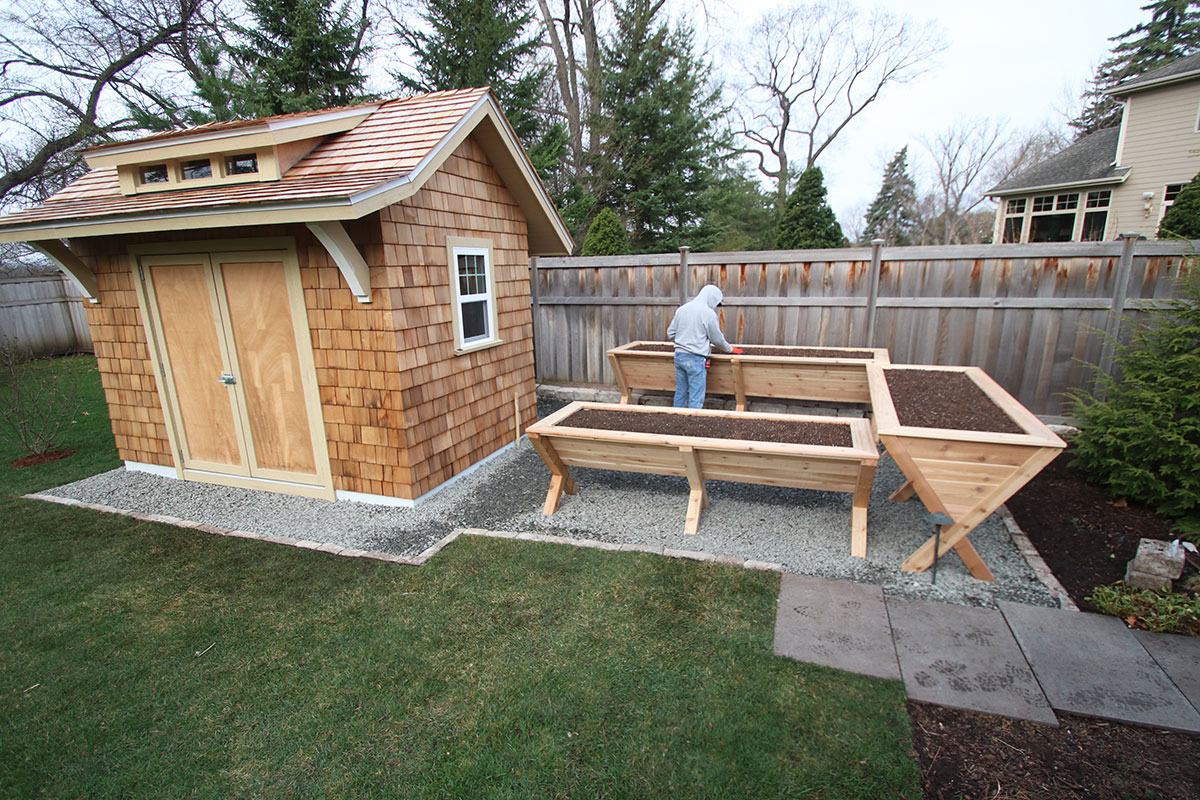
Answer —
1019 59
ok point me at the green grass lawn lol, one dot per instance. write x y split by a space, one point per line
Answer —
500 669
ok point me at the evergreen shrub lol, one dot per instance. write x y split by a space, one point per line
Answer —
606 236
1182 220
1142 440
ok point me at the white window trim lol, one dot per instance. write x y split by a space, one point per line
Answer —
460 245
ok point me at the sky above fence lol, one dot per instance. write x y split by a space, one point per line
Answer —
1021 59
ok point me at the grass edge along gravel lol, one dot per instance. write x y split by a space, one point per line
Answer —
499 669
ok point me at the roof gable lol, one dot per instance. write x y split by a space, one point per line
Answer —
383 159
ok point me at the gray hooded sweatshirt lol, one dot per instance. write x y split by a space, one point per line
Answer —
695 327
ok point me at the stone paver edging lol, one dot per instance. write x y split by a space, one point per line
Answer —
428 553
1040 569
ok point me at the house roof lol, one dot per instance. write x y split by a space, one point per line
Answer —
1087 161
383 159
1181 69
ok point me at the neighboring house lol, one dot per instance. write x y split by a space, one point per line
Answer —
1116 180
333 304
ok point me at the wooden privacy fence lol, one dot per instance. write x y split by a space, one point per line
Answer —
44 314
1030 315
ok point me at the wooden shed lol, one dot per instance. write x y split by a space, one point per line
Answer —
332 304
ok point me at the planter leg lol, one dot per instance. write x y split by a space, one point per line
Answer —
698 497
903 493
619 374
560 479
858 515
739 387
952 537
966 551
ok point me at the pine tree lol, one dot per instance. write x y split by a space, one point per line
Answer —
606 236
1182 220
892 215
469 43
1172 32
807 221
657 122
299 55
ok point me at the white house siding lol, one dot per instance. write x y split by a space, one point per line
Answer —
1162 146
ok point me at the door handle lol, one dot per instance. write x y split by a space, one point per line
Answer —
227 379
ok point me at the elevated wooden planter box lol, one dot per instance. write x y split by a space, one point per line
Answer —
844 468
787 373
925 416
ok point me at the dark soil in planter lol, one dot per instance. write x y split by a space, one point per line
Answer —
41 458
927 398
1083 534
963 754
792 352
683 424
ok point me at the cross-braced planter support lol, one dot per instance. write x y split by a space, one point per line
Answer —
966 474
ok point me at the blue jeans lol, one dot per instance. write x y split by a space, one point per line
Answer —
690 380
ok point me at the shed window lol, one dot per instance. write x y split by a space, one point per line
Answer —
473 295
1099 199
1093 226
196 169
155 173
245 164
1051 228
1067 201
1012 229
1012 207
1044 203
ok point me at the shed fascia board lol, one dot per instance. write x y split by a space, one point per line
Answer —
547 235
1056 186
71 264
267 134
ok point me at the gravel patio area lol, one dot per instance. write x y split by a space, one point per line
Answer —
806 531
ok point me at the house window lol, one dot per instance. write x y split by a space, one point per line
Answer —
245 164
1051 227
1099 199
155 173
1012 207
1067 201
1093 226
474 293
1171 192
1043 203
1012 229
196 169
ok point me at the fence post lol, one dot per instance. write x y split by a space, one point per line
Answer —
685 276
1116 315
873 289
536 309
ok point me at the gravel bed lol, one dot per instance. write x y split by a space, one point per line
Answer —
806 531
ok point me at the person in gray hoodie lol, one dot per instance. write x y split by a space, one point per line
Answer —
695 330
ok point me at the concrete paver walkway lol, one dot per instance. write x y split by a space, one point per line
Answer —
1019 661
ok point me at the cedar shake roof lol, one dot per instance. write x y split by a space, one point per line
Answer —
1089 160
382 160
1178 70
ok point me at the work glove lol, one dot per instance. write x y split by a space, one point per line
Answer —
737 351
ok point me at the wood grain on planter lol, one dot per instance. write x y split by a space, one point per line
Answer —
967 474
814 373
706 457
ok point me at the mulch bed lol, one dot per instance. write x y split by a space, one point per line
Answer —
684 424
791 352
963 754
41 458
1083 534
927 398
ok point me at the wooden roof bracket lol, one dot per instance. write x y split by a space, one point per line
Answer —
346 255
71 264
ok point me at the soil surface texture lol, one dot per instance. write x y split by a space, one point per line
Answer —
791 352
684 424
927 398
1083 534
963 754
41 458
